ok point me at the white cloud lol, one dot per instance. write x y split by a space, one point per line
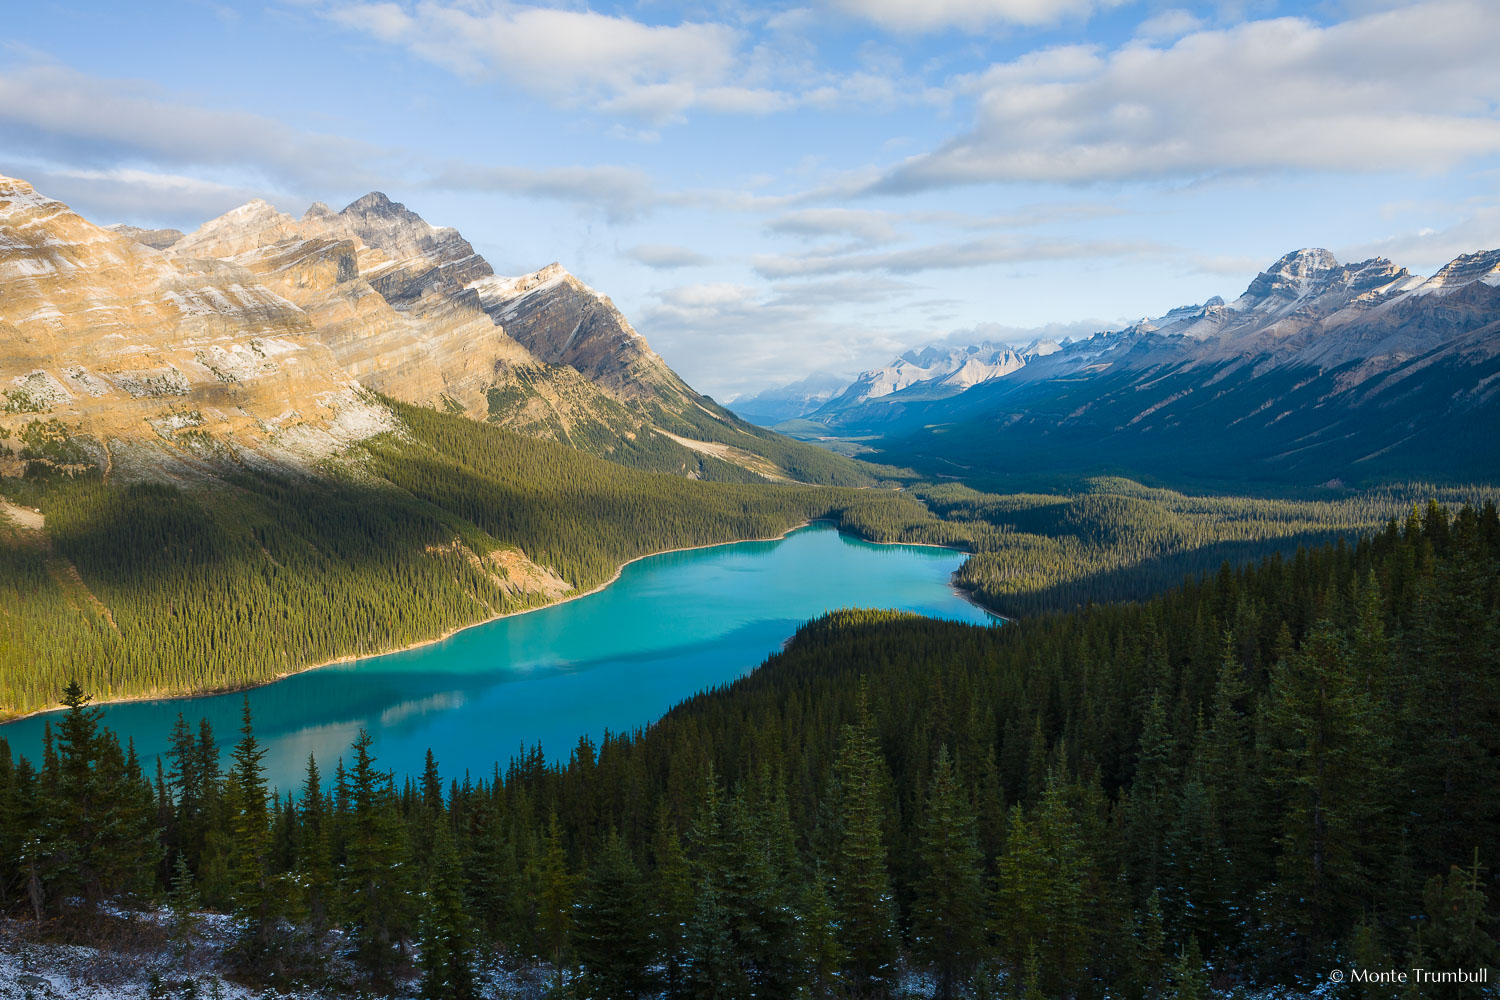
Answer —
665 256
572 57
903 16
1168 24
1414 89
619 192
728 339
135 196
947 256
67 116
865 225
1476 227
874 226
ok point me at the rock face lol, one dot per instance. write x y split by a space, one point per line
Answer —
925 374
1320 370
255 335
156 239
150 360
420 259
562 321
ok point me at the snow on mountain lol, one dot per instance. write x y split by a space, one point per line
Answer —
1306 311
788 402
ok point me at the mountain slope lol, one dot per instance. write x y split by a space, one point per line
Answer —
262 329
1319 372
148 361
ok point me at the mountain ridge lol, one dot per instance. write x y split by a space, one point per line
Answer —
1312 374
368 298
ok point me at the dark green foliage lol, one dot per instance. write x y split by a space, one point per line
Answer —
862 896
446 939
376 873
614 939
97 833
151 588
948 913
1229 784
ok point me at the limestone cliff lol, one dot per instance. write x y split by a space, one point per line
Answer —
154 362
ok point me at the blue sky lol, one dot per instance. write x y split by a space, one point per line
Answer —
773 189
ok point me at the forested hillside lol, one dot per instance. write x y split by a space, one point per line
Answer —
1112 539
1255 778
150 588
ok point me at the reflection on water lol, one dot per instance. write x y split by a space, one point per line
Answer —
671 626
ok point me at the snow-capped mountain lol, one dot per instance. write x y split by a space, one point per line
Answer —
788 402
1320 370
929 373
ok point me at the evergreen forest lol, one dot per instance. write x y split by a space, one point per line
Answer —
150 588
1262 774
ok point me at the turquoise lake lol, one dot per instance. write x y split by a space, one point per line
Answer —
670 626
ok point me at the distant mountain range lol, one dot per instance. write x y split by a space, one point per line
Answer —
252 341
1320 371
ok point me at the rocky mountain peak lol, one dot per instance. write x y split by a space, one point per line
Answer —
1470 267
1294 277
317 210
377 203
16 195
422 258
156 239
251 225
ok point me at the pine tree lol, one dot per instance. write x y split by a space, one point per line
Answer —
315 860
183 903
1328 760
1456 932
670 897
257 896
81 820
1189 977
1149 813
555 900
948 911
1041 890
491 877
862 888
376 871
613 938
446 935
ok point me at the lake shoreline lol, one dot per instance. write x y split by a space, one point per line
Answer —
350 658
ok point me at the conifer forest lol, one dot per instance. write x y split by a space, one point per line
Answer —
1263 773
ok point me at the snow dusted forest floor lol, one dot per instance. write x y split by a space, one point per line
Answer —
132 956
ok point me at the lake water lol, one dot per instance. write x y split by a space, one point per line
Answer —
670 626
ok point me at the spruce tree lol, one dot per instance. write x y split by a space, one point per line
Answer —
315 860
670 896
1328 764
257 893
948 909
862 886
555 899
447 949
80 820
377 871
613 937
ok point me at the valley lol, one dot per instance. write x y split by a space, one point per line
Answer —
1321 372
610 661
621 694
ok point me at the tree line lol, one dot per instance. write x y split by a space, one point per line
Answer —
152 588
1260 775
